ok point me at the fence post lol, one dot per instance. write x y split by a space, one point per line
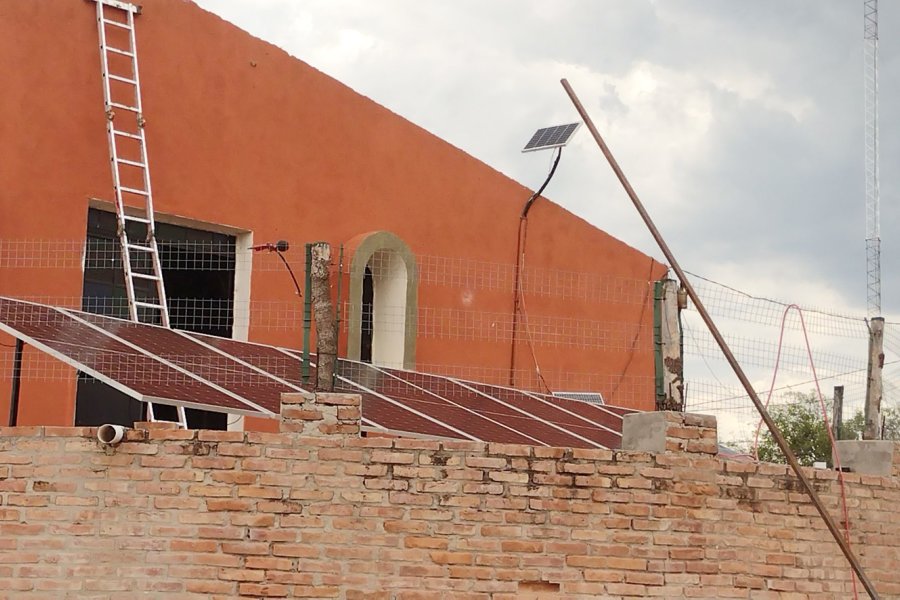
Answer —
837 412
874 384
668 356
326 343
307 314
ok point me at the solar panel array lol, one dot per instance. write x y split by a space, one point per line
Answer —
551 137
160 365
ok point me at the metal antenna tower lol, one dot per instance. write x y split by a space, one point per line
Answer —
873 227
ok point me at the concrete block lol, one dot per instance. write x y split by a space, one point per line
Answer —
869 457
645 432
669 431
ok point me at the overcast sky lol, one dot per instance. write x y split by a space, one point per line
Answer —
739 123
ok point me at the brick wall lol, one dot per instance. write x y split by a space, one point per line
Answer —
326 514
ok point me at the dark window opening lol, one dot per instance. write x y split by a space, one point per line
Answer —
366 329
198 274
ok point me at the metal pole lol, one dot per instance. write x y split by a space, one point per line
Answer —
729 356
337 320
16 383
307 314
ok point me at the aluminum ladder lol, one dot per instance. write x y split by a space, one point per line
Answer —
129 164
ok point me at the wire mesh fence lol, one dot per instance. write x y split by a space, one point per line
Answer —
752 326
572 331
466 303
441 271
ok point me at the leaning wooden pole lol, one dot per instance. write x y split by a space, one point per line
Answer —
729 356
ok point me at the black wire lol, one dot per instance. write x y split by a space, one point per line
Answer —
291 271
534 196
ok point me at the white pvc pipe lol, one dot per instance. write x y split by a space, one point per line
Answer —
110 434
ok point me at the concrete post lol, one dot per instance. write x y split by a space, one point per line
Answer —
669 361
874 384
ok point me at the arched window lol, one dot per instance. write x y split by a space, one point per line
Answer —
383 301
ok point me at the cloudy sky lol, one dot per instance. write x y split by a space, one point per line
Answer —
739 123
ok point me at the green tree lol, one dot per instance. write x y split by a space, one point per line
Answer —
854 426
801 423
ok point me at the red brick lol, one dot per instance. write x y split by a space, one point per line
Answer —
395 458
268 590
453 558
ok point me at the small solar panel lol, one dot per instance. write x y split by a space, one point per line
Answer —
551 137
592 397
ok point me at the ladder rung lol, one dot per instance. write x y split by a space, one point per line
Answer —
122 79
117 24
120 51
137 219
133 136
148 304
124 107
145 276
133 191
138 247
132 163
128 6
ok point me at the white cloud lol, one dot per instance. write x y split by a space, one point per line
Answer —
739 123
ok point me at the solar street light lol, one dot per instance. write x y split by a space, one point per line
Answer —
551 137
543 139
546 139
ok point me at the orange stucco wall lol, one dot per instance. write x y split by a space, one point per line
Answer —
241 134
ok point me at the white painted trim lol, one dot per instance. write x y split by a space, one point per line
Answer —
208 407
371 424
161 217
243 267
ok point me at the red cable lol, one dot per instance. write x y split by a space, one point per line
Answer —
834 450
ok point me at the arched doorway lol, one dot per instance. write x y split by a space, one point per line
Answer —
383 302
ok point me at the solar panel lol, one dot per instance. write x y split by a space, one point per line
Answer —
112 360
218 369
479 417
160 365
592 397
551 137
596 431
